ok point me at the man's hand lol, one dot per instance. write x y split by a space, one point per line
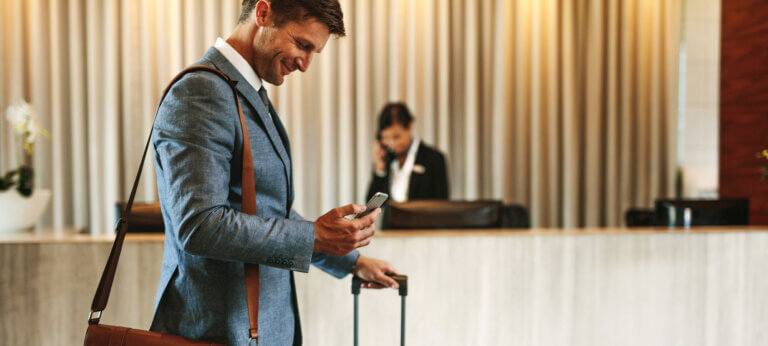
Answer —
337 236
373 270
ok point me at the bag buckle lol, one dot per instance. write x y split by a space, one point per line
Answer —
118 222
94 319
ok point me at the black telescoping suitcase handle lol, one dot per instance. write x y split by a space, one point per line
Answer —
402 281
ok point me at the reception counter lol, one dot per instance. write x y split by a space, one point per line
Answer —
700 286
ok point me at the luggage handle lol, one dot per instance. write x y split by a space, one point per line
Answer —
402 281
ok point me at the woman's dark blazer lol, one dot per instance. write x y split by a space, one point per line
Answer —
432 183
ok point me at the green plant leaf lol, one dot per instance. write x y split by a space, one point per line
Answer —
26 181
7 181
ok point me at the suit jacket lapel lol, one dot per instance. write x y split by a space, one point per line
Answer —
287 145
253 98
281 130
417 179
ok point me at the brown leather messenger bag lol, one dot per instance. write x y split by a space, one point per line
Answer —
99 334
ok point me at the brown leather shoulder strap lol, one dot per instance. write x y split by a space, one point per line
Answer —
249 207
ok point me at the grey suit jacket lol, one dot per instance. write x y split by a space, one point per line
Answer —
198 159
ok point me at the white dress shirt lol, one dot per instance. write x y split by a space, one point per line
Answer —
239 63
400 177
242 66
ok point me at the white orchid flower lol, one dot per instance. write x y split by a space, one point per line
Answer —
22 117
34 129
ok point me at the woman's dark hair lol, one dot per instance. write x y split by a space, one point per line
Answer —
394 113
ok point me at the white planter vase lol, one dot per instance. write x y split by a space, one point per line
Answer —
19 213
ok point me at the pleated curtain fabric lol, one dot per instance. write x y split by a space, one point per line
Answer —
566 107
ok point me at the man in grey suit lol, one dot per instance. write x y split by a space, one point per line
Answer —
198 157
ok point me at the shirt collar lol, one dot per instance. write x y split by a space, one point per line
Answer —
413 148
238 62
400 177
410 158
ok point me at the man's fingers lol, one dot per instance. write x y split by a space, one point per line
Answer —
344 210
359 208
349 209
366 236
381 281
362 243
388 281
389 269
373 285
367 233
369 219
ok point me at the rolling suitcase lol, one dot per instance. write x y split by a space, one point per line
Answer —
402 280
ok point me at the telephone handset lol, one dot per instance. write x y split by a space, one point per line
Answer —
390 156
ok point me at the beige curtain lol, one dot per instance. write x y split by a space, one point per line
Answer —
565 107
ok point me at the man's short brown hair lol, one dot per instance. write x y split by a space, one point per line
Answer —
327 12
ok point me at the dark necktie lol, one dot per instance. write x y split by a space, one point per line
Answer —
264 98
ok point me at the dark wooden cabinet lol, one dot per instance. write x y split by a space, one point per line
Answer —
744 103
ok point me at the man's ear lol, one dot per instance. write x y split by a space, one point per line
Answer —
263 13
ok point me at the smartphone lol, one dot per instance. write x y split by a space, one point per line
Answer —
375 202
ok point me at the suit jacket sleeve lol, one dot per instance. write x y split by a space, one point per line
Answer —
194 141
338 266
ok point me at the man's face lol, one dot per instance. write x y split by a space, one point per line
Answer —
278 51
